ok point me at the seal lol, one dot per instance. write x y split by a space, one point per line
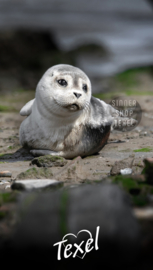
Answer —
64 119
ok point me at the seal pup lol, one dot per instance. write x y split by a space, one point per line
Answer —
64 119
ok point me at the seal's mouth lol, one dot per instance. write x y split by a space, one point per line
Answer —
73 107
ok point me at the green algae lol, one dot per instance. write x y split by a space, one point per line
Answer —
137 189
8 197
49 161
147 149
36 173
6 156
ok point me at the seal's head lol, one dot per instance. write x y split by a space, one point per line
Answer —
64 89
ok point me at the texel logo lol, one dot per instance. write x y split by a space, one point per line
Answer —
75 249
130 111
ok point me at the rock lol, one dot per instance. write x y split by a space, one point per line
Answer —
71 172
5 174
121 164
148 170
138 165
132 162
126 171
35 173
46 217
31 184
49 161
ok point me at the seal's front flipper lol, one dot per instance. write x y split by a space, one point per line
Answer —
37 153
27 109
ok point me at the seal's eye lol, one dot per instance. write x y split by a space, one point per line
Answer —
62 82
84 88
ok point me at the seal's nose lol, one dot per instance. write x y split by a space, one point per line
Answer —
77 95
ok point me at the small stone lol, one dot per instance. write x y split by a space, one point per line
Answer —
121 164
126 171
5 174
31 184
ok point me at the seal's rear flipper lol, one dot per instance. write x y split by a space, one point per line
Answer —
27 109
37 153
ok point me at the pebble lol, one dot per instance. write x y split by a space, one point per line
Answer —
5 174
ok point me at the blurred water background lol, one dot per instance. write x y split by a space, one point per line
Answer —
102 37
